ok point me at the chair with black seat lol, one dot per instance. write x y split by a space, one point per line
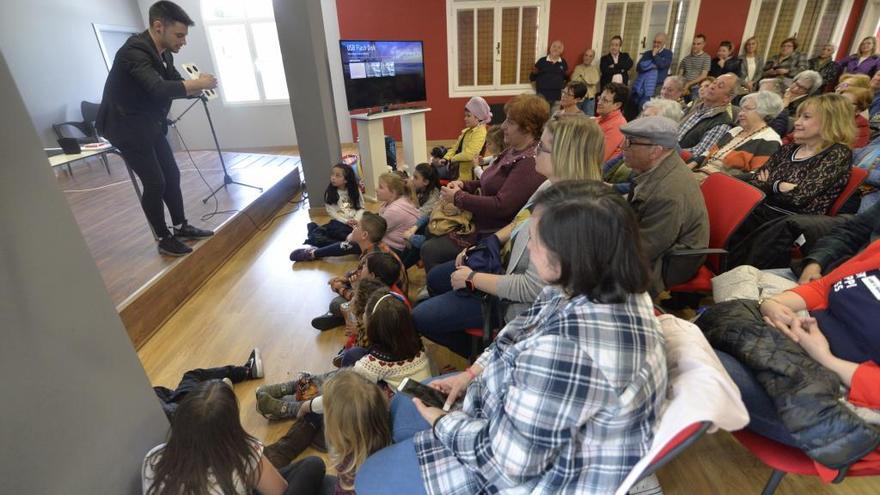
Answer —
86 127
492 324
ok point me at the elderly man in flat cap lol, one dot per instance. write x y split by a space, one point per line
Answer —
667 201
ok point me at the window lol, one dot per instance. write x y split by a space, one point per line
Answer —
813 23
245 48
638 21
494 45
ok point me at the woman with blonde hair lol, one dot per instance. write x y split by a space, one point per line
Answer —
860 99
356 424
852 81
752 64
569 149
804 177
865 61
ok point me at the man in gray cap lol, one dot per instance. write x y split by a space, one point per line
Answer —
667 201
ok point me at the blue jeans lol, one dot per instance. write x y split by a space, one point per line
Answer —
395 469
763 418
338 249
444 317
868 200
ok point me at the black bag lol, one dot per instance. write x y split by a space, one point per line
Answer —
485 256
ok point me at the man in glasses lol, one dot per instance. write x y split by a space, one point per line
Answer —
666 199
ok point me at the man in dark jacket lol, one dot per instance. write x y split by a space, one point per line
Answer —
841 244
137 97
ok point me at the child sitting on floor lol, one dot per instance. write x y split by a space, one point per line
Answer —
426 184
208 451
342 200
395 352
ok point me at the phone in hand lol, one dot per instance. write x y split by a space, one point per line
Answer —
429 396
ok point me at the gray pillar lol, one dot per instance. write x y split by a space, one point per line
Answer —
78 412
304 51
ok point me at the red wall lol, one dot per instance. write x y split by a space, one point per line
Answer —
570 21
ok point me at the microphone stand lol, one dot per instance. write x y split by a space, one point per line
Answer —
227 179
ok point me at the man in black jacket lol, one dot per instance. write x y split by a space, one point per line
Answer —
842 243
137 97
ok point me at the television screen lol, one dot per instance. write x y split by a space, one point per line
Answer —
379 73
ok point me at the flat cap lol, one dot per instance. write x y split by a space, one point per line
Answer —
658 130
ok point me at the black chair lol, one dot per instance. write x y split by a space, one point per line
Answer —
89 134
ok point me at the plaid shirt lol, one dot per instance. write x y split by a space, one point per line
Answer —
566 402
712 136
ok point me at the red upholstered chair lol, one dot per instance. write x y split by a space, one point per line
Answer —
684 439
728 201
493 321
856 177
784 459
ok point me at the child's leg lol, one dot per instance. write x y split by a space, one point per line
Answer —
337 230
337 249
304 476
352 355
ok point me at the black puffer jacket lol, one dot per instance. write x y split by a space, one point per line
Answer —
805 393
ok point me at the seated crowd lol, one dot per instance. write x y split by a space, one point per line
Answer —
553 235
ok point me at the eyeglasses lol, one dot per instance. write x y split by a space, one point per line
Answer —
542 148
628 144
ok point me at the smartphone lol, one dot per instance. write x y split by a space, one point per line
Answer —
429 396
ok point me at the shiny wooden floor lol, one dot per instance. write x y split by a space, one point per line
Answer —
259 299
113 224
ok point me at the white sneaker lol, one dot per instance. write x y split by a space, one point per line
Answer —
228 382
648 485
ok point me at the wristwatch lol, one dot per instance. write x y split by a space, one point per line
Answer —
469 281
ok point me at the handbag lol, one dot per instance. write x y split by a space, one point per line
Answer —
447 218
485 256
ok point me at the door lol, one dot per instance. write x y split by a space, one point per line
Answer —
813 23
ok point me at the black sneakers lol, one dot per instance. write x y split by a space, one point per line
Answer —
328 321
187 231
171 246
254 365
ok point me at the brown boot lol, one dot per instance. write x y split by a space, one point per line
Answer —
296 440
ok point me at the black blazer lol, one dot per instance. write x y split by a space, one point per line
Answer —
138 92
607 68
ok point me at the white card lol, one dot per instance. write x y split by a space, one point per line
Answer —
192 71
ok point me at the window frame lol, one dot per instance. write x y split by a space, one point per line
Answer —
246 22
678 53
836 36
497 89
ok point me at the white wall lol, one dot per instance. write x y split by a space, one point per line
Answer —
53 54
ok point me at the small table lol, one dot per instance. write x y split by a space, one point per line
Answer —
64 159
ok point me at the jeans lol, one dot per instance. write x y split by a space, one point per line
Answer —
308 476
330 233
444 317
170 399
868 200
763 418
353 355
337 249
154 164
395 469
438 250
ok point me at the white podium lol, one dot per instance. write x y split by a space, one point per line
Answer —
371 145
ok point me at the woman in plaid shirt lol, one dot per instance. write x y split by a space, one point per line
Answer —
565 399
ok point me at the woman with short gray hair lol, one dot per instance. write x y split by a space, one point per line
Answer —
748 146
663 107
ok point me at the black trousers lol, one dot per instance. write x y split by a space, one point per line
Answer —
191 379
153 162
437 250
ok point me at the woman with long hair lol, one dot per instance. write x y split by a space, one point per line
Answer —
865 61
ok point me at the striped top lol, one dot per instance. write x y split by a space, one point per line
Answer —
743 151
693 65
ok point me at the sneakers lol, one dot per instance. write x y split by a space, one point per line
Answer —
187 231
272 408
327 321
171 246
303 254
254 365
293 443
228 382
278 390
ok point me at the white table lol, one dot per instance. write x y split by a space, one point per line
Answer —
371 142
64 159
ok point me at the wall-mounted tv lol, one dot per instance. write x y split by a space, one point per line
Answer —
382 73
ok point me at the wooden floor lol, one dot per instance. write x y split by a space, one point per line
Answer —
259 299
113 224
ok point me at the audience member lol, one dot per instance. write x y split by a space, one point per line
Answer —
494 146
615 65
752 65
667 201
550 73
823 63
695 66
787 63
572 96
568 150
588 74
698 101
802 87
651 71
673 89
805 177
703 126
860 99
749 145
773 84
426 184
503 188
725 61
852 80
615 172
868 158
842 243
208 451
609 116
460 158
342 201
589 335
866 61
